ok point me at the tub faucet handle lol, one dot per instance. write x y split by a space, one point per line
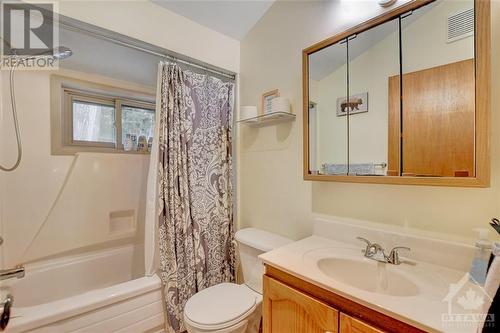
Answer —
5 316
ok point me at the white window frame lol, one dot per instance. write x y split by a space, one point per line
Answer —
66 90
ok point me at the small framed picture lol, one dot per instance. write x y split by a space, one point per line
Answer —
266 100
356 104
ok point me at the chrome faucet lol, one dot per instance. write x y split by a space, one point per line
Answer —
5 316
376 252
17 272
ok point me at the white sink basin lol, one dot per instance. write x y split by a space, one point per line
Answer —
369 275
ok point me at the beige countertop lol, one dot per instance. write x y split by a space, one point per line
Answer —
431 301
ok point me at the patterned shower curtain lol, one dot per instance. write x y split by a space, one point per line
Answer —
194 186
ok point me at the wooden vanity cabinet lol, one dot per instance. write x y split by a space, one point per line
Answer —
349 324
292 305
289 310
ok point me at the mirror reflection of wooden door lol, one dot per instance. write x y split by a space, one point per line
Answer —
438 122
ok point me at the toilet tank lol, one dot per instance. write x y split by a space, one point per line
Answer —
251 243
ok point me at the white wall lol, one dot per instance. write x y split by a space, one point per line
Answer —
273 195
433 26
332 130
99 184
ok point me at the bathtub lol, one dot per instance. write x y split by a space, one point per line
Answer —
104 291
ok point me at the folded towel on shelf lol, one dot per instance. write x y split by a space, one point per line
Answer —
248 112
491 305
279 104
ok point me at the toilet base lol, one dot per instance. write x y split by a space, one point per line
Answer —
250 324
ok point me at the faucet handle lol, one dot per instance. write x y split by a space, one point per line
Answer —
368 245
400 248
394 254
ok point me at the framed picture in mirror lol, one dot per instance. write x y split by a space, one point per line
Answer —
357 103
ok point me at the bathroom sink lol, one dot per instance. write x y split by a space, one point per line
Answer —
368 275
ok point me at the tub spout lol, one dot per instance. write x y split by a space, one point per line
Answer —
17 272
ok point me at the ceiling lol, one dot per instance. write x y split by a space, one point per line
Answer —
232 18
327 60
94 55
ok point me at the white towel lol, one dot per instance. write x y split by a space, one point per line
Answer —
280 104
492 282
354 168
247 112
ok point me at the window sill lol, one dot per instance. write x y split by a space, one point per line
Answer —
73 150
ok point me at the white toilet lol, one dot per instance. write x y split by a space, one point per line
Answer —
229 307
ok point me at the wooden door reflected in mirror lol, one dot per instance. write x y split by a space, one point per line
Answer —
437 123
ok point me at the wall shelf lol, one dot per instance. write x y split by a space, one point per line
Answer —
268 119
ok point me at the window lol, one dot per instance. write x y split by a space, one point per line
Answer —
88 117
108 122
137 121
93 117
93 121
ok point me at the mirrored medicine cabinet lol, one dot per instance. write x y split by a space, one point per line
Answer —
403 98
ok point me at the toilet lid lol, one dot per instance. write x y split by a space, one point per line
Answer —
219 304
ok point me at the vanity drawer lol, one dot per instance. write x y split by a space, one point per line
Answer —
349 324
291 311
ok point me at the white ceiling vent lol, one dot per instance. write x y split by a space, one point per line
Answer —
460 25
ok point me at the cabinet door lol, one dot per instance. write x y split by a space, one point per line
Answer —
287 310
351 325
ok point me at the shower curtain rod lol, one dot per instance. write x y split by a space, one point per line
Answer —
120 39
74 25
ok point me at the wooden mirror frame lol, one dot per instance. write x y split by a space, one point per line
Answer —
482 47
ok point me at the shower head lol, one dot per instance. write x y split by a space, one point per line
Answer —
57 53
61 52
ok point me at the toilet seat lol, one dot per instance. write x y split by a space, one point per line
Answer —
220 306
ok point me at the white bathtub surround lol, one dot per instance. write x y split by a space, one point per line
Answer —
93 196
104 291
420 291
194 182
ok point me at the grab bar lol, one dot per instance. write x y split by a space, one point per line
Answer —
17 272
